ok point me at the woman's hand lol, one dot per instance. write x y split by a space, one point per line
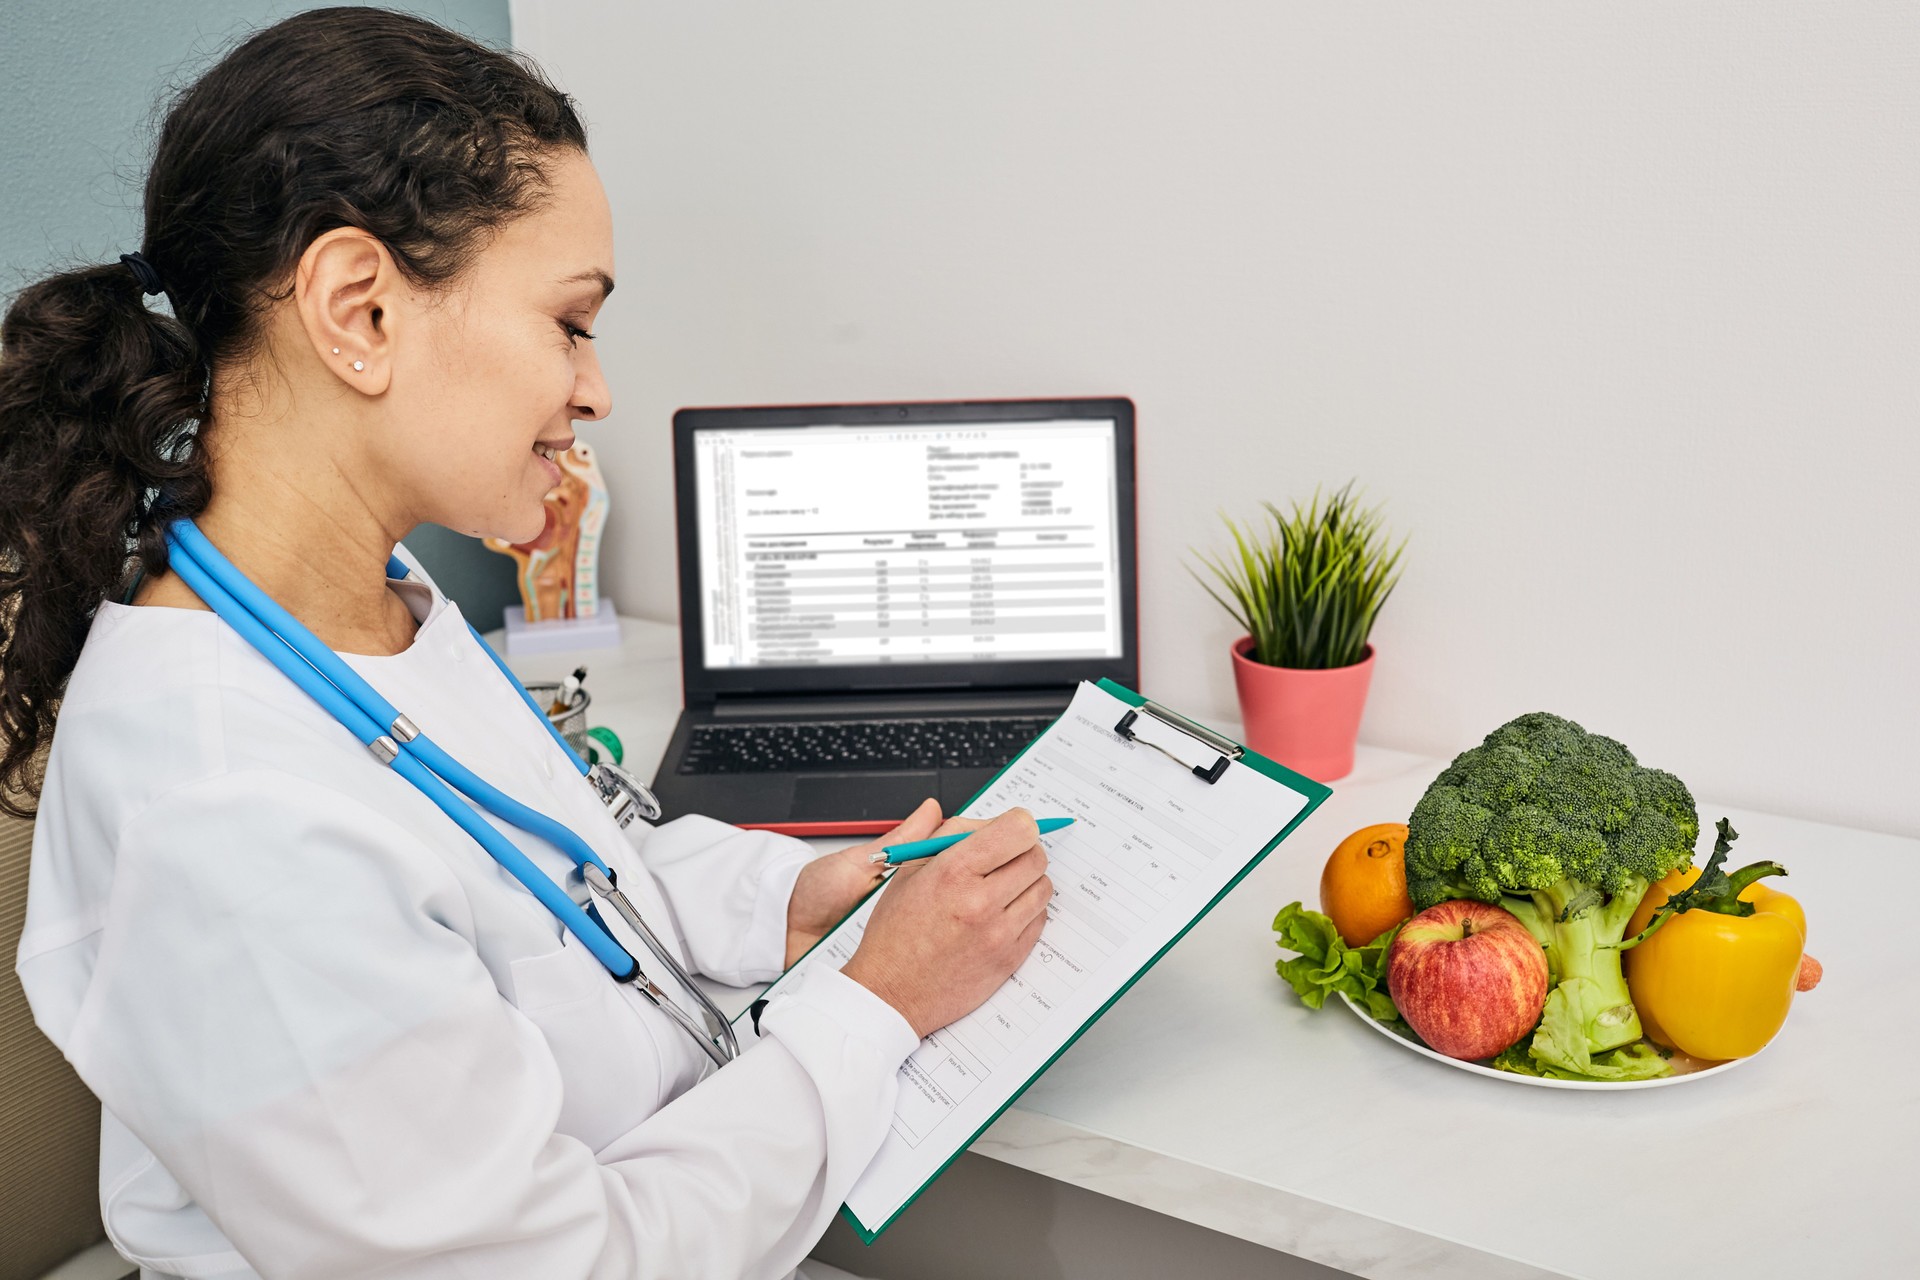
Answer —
831 884
950 928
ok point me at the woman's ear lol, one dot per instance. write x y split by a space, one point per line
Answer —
345 291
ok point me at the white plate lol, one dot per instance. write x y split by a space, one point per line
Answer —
1685 1070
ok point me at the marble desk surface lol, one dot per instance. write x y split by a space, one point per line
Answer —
1210 1094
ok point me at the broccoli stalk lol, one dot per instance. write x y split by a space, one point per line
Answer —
1583 949
1567 830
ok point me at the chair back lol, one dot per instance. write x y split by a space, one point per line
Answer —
49 1123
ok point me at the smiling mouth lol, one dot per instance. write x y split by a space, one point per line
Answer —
550 452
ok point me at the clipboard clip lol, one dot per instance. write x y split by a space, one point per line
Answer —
1190 745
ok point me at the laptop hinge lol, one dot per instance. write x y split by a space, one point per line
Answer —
894 703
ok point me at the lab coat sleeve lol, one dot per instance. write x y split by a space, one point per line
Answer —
287 1009
728 890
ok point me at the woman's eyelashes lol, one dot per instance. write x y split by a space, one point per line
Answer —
574 331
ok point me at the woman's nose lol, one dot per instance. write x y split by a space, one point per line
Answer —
592 399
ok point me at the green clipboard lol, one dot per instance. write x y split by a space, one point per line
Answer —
1315 793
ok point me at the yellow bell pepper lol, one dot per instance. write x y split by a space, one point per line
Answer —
1708 981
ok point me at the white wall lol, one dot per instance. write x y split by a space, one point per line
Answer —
1616 307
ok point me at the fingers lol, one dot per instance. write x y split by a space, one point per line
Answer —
951 825
996 843
918 825
1016 875
1030 935
1035 927
1032 901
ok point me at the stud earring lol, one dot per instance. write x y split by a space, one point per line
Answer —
336 351
358 366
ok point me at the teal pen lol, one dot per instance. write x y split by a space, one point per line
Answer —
895 854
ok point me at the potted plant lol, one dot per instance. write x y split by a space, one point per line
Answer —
1307 590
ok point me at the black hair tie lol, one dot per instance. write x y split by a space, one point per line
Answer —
143 272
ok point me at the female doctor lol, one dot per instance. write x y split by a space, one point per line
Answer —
331 1036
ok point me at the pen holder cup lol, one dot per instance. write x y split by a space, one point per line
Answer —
572 723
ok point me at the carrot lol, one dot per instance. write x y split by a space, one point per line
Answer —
1809 974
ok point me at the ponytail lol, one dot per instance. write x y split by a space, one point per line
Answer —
99 401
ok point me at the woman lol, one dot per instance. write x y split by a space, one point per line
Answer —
332 1038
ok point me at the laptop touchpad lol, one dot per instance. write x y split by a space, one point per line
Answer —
842 797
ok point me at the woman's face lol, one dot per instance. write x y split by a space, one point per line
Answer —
499 371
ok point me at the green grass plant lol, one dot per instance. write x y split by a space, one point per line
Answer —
1309 587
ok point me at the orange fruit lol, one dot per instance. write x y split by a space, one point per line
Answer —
1364 887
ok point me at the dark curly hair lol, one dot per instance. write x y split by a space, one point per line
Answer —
335 117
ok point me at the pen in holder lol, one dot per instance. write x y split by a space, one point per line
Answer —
595 743
571 721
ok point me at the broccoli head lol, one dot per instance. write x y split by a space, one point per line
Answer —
1567 830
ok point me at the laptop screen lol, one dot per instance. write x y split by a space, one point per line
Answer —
877 543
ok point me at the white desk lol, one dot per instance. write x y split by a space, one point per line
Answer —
1208 1093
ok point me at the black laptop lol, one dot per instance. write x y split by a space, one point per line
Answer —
883 602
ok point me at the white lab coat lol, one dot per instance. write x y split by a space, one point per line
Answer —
332 1038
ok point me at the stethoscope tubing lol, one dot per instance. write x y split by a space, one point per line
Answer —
329 666
324 676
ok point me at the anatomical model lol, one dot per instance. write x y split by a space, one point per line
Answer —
559 571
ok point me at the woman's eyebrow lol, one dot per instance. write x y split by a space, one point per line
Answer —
605 280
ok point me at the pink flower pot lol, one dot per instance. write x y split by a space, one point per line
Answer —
1306 720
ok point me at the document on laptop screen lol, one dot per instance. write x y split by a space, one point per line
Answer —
1151 848
948 542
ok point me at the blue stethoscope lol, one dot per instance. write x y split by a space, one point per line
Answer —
397 742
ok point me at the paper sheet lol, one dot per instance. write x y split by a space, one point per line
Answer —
1151 846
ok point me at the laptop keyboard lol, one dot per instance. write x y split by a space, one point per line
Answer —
858 744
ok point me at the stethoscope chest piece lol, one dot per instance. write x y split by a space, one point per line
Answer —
717 1039
625 796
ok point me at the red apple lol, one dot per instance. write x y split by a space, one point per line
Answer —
1467 977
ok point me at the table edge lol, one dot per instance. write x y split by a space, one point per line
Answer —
1247 1210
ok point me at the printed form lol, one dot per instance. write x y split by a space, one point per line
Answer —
980 542
1150 847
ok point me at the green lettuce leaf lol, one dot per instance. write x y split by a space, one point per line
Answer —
1636 1061
1324 963
1516 1059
